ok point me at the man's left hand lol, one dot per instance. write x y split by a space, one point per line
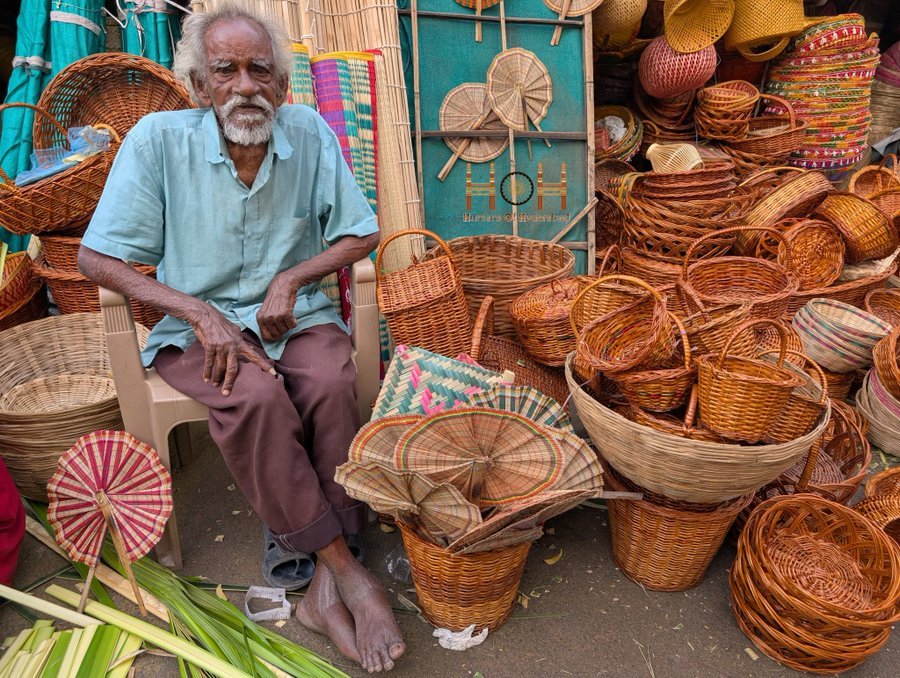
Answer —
277 313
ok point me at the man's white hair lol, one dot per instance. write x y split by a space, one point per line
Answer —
190 55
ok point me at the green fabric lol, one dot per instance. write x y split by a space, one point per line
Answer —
151 34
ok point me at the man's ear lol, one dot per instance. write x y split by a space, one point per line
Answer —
200 92
282 91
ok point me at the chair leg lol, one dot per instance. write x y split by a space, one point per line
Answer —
168 549
180 444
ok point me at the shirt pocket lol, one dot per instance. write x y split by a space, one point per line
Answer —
291 241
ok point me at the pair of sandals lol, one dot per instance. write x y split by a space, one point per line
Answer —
293 570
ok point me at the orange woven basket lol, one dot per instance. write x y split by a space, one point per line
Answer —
885 304
816 251
814 584
852 292
424 304
867 232
456 590
884 512
541 319
61 251
33 305
774 137
885 359
16 283
884 483
723 111
804 406
666 423
875 178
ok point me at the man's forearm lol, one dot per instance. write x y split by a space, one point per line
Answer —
117 275
344 252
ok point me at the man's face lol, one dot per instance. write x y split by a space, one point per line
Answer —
240 83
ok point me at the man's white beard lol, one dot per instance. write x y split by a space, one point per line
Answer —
246 129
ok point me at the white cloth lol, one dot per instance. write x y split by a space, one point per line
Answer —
459 640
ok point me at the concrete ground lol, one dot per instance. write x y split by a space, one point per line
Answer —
584 617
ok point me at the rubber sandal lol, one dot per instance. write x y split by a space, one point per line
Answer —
355 544
290 570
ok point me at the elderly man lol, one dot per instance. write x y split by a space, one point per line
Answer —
232 202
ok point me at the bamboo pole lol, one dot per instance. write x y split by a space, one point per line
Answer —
557 32
512 135
417 105
588 52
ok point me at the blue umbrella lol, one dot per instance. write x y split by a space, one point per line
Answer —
30 73
150 28
76 30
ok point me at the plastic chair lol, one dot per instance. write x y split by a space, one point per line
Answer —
151 409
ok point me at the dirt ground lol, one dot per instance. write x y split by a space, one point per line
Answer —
584 617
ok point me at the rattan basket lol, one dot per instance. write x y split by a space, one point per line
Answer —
884 512
33 305
456 590
424 304
851 292
662 544
867 232
55 386
723 111
505 267
541 319
18 276
816 251
838 336
884 356
875 178
885 304
814 584
884 483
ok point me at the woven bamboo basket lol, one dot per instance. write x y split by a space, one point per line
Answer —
74 293
875 178
804 405
851 292
743 398
18 276
33 305
882 411
662 544
629 144
54 388
541 319
424 304
456 590
884 512
884 356
772 137
723 111
708 329
888 202
867 232
654 270
816 251
57 202
884 483
885 304
685 427
765 285
505 267
670 465
814 584
61 252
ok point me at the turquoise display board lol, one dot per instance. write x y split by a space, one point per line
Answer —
551 186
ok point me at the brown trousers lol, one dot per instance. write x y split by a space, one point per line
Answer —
282 437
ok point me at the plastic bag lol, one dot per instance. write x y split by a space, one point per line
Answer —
84 142
397 565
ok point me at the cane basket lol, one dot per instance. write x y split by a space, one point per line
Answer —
541 319
54 388
885 304
33 305
814 584
457 590
424 304
867 232
884 356
505 267
16 283
884 512
884 483
816 251
662 544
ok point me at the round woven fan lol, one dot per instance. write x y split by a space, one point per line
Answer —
478 6
375 441
570 8
463 109
519 88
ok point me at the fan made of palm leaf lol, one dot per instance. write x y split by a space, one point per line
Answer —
439 509
466 108
519 88
524 400
375 442
567 8
492 457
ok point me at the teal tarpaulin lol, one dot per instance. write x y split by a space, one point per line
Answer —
150 28
51 35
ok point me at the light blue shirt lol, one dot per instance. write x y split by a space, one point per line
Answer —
173 200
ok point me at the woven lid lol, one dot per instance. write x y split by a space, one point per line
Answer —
616 23
573 7
463 107
691 25
519 87
765 22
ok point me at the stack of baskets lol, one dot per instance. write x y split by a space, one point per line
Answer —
814 584
22 295
627 145
885 105
54 388
879 397
827 76
723 111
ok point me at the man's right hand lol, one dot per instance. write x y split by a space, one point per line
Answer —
224 346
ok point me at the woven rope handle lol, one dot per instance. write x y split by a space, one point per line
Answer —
484 326
733 229
400 234
792 117
782 335
691 295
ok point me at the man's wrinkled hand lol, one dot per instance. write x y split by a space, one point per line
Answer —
276 316
224 346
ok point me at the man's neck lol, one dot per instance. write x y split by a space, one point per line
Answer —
247 160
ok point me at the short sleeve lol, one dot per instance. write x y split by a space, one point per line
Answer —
129 220
343 209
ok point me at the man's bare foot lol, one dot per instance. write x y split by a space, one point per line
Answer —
323 611
378 637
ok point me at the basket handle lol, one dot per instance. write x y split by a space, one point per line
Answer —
484 326
733 229
690 295
782 334
820 375
792 117
399 234
691 412
769 54
685 344
881 166
771 170
8 183
611 251
606 278
112 132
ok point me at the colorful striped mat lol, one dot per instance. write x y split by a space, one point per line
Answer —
300 86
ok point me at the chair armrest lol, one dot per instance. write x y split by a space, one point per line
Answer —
124 353
365 335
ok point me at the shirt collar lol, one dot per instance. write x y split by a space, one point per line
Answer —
217 151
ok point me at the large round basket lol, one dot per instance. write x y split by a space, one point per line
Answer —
55 386
505 267
456 590
662 544
867 231
687 470
815 584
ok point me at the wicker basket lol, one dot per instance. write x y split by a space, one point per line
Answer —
742 398
74 293
804 406
662 544
884 304
60 201
455 591
884 483
875 178
61 252
54 388
33 305
867 232
814 584
541 319
884 512
774 138
884 356
665 73
670 465
18 276
685 427
838 336
852 292
424 304
815 248
111 88
723 111
654 270
505 267
882 412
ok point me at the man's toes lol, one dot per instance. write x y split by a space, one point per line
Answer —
397 650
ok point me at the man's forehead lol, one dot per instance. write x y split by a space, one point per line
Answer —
230 36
